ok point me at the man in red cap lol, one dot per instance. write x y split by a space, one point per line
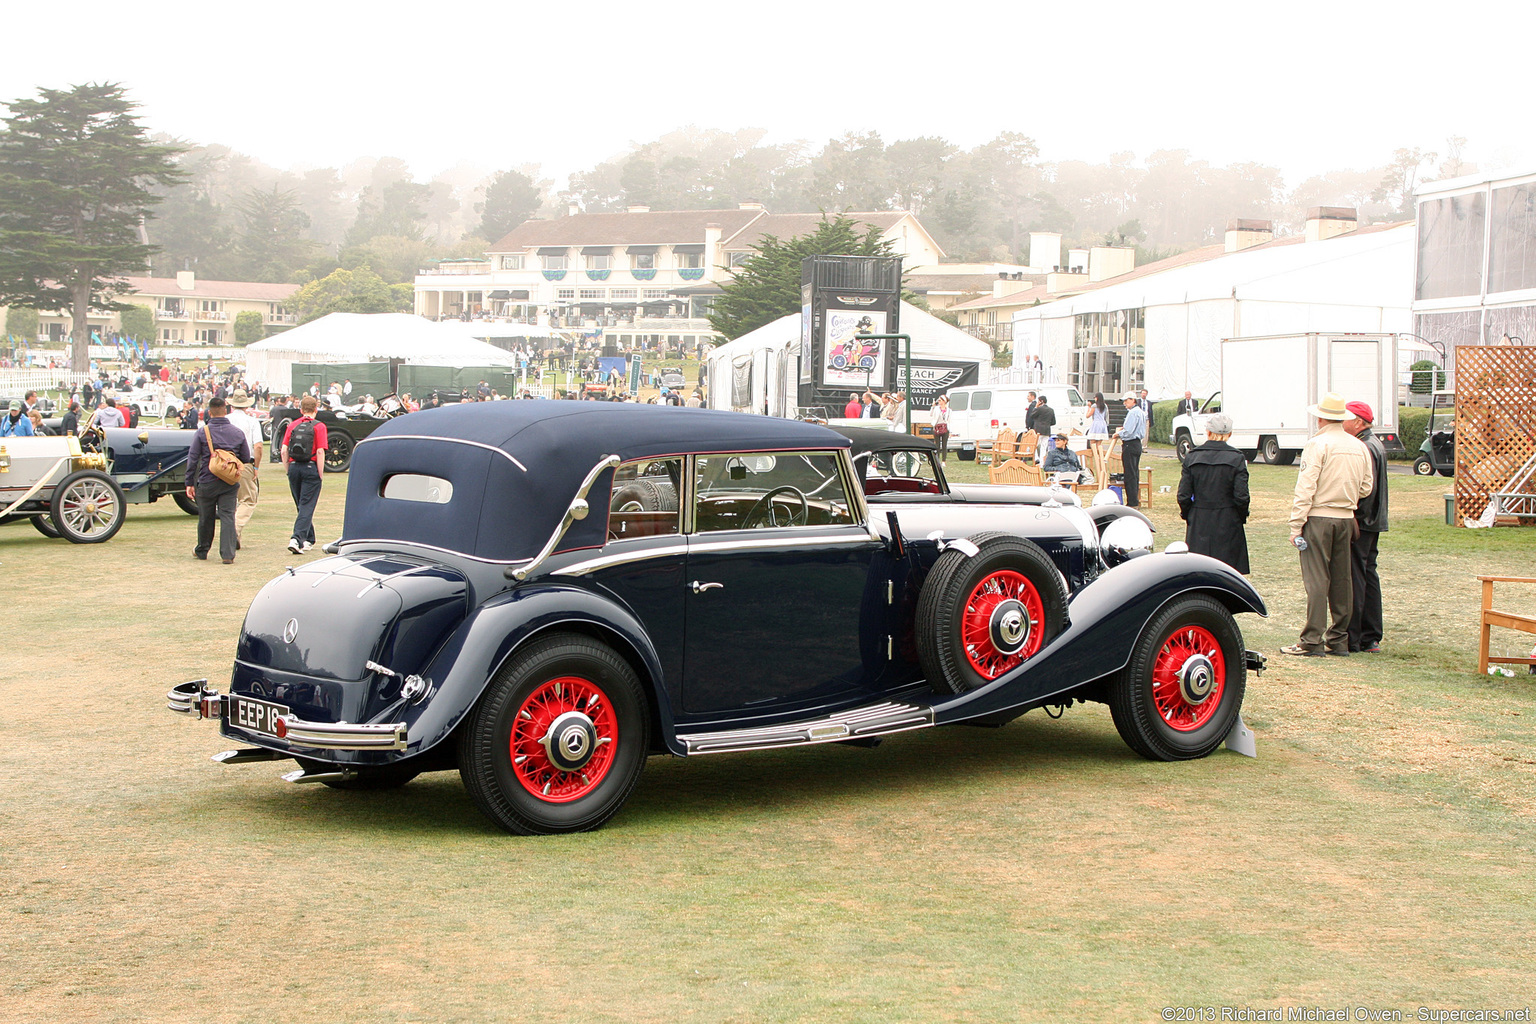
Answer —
1371 519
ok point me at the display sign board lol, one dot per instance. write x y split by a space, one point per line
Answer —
841 298
933 377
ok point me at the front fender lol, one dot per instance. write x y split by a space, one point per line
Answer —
464 665
1106 618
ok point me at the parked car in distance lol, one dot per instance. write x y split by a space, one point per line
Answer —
979 412
672 377
500 603
344 429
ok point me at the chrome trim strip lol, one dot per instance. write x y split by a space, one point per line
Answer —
869 720
395 545
449 440
579 502
608 561
393 576
343 735
734 541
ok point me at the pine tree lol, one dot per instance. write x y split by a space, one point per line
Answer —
768 285
77 180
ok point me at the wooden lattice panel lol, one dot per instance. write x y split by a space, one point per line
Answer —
1495 421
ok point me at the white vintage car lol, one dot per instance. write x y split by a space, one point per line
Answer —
64 491
151 402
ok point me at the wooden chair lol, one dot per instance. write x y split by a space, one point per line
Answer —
1506 620
1029 443
1006 445
1015 472
1114 464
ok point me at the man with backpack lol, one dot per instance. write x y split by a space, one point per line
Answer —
304 445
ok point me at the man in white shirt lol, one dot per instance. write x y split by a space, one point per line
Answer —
250 483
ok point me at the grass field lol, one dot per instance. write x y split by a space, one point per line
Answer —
1379 853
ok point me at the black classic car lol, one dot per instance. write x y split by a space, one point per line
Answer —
344 429
501 602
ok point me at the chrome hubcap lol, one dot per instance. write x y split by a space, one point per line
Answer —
1010 627
1196 679
569 741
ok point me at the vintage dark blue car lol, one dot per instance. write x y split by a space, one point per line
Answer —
544 594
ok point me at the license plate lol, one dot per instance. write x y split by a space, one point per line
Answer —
255 715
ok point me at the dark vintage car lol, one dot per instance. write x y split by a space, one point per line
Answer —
500 603
344 429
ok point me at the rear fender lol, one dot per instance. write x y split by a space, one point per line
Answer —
463 667
1106 619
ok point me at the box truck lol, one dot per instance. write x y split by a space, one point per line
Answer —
1269 381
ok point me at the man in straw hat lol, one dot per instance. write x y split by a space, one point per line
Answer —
250 484
1335 475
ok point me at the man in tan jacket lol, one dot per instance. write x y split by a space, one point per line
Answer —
1335 475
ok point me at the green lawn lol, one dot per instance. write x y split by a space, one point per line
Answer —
1378 853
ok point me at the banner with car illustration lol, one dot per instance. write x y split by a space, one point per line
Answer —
849 361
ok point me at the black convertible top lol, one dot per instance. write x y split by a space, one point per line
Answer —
867 439
514 467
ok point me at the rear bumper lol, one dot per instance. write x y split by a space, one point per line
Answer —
197 700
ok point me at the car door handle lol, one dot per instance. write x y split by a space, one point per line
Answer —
699 588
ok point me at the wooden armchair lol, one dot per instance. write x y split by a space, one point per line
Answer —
1505 620
1115 465
1006 445
1029 443
1015 472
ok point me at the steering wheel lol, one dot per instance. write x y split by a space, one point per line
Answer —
764 507
93 439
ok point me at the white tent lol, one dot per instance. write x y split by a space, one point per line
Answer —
366 337
494 330
765 364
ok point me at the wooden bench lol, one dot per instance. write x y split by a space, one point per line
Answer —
1507 620
1015 472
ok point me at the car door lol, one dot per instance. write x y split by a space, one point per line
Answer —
781 607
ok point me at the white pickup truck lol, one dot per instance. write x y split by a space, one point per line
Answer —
1268 382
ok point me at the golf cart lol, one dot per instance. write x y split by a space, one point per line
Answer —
1438 452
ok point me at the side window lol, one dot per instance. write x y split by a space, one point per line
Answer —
960 401
754 491
981 401
644 499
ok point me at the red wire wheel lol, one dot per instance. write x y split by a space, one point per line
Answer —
991 655
1188 641
531 760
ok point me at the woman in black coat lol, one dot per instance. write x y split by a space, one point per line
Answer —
1213 497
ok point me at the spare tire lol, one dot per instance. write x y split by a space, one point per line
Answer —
982 615
645 495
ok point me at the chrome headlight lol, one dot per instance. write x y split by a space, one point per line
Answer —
1105 497
1126 538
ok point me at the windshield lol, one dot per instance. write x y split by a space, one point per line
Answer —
1444 415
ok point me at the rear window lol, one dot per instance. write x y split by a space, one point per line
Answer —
981 400
433 490
960 401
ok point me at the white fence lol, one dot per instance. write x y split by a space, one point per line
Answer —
1020 375
17 382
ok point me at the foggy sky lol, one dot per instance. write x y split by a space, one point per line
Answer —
1303 86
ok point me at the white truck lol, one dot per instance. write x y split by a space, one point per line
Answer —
1268 382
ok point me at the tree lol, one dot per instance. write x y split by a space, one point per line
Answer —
1402 173
510 198
77 181
768 285
272 247
398 208
248 327
345 291
21 323
138 322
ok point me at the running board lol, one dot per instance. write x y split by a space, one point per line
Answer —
858 723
